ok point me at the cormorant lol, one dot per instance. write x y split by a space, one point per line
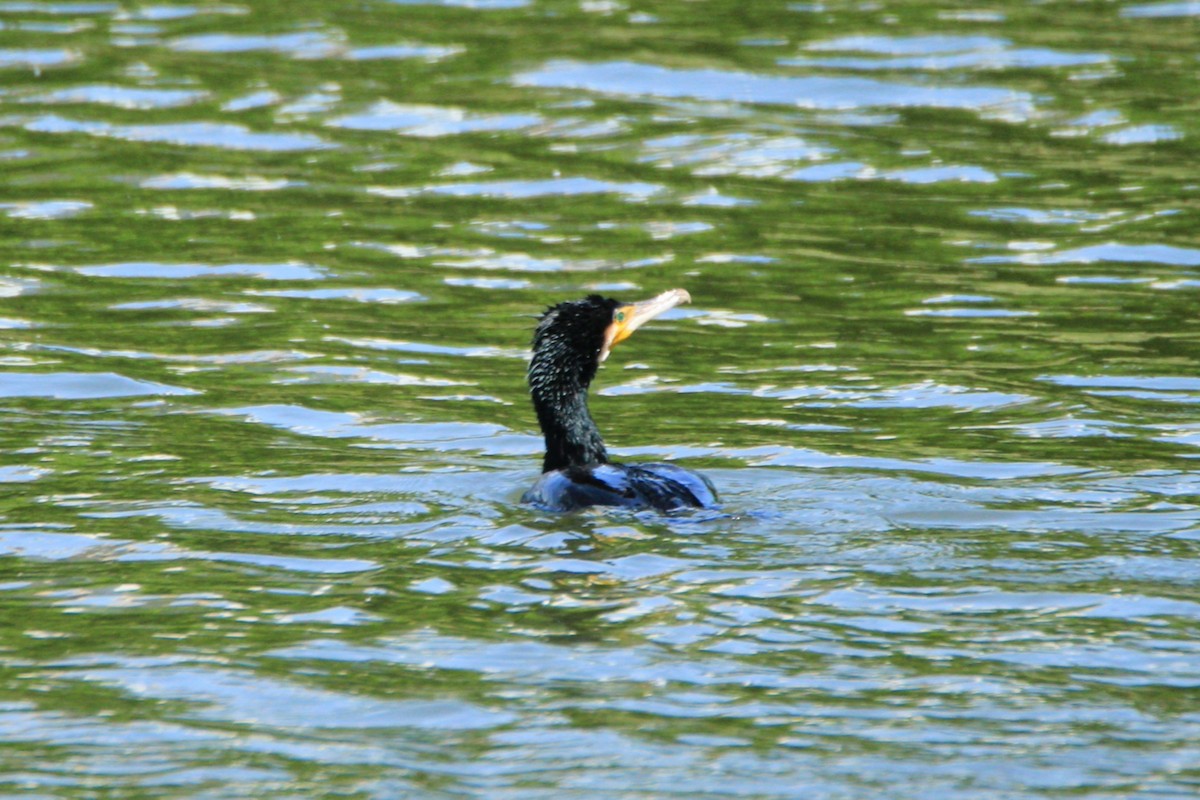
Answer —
571 340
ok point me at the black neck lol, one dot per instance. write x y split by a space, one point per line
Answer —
559 392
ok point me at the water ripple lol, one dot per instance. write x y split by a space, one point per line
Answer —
524 189
58 8
943 52
37 59
186 134
81 385
1186 8
46 209
240 697
121 96
244 183
268 272
414 120
812 92
1115 252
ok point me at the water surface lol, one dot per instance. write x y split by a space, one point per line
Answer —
267 281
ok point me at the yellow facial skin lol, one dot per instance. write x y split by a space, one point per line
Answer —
628 319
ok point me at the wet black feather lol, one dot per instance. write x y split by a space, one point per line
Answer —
576 470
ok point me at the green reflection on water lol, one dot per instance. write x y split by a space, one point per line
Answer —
939 364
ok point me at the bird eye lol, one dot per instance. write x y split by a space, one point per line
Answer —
620 316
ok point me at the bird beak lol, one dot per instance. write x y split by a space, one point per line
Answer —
627 319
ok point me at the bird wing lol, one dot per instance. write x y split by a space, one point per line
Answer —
579 487
665 487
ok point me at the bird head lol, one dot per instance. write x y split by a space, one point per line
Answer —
581 333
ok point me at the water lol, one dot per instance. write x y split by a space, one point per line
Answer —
268 274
